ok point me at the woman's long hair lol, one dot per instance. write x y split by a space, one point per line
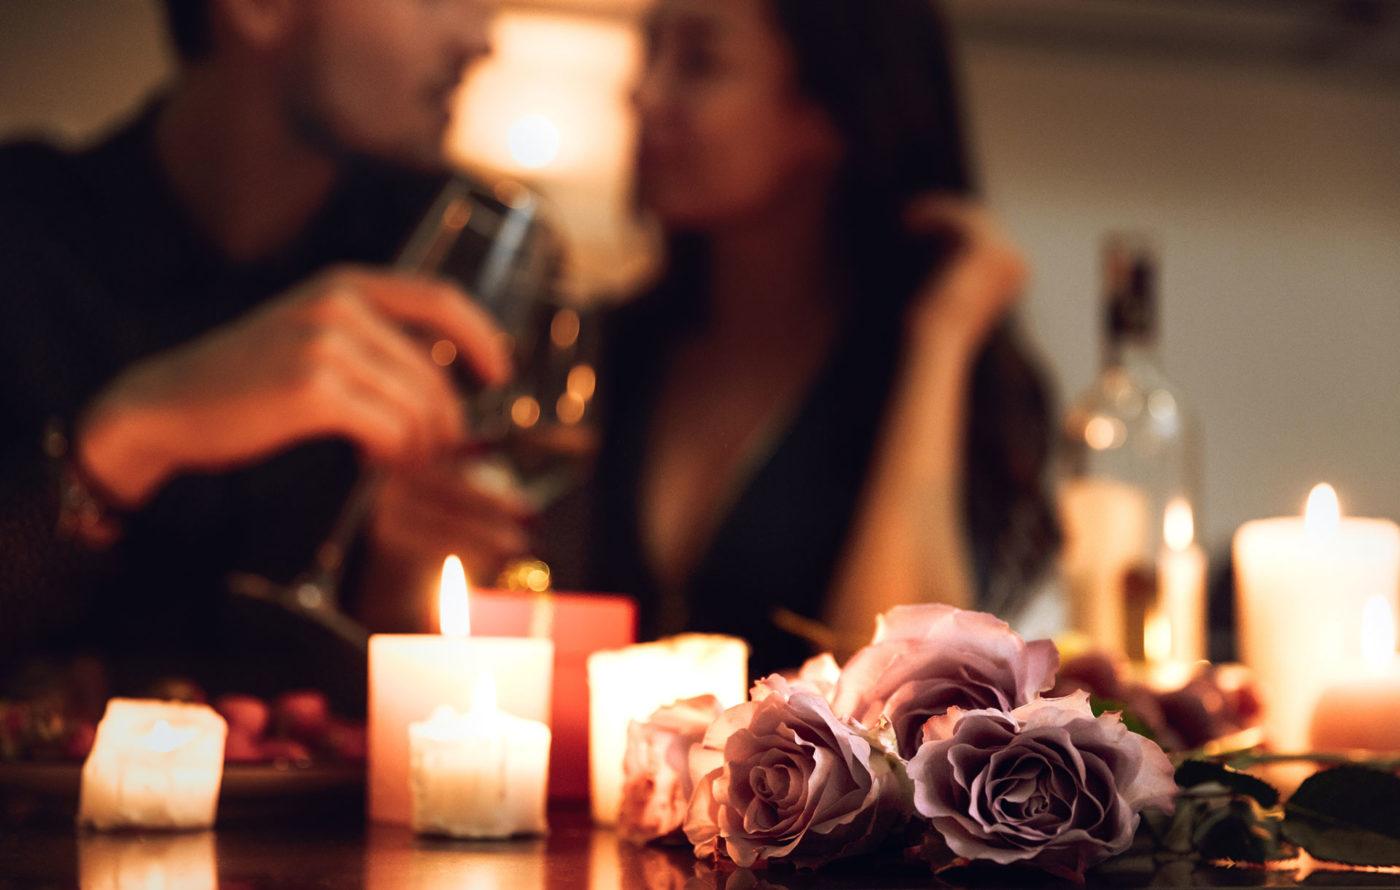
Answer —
883 72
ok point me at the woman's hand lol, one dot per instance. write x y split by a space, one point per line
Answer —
330 358
982 280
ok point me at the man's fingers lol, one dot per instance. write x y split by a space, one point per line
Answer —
397 353
444 311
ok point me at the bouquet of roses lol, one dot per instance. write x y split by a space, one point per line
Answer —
937 727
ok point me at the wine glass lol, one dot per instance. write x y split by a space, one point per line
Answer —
533 434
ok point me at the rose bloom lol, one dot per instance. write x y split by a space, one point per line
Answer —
926 659
782 778
656 769
1048 785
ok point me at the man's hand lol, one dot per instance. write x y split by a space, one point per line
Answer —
331 358
426 513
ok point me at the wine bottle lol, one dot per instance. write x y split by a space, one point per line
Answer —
1129 493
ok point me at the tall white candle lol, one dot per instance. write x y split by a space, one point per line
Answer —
412 675
1302 587
482 774
1179 618
153 764
630 684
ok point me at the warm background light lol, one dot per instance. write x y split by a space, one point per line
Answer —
551 108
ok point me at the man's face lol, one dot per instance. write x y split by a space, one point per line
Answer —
377 77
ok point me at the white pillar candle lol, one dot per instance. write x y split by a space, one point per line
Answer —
412 675
630 684
1358 713
1176 626
482 774
153 765
1302 587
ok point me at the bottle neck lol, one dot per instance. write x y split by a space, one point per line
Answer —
1130 352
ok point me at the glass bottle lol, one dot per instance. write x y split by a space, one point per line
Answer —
1128 499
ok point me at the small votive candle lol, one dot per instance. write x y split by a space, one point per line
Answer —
630 684
153 765
482 774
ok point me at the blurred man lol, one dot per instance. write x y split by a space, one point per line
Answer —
200 344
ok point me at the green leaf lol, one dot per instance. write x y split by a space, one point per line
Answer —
1350 814
1200 772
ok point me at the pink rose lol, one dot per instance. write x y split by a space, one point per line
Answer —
1048 784
782 778
818 675
656 769
926 659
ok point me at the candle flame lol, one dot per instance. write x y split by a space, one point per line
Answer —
1157 637
484 694
1179 525
164 738
454 602
1323 516
1378 632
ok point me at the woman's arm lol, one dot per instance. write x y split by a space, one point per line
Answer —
908 542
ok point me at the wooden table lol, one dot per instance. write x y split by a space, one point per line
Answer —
574 855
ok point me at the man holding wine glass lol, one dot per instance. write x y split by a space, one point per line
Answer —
201 344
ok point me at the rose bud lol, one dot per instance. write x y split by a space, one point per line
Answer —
1094 672
245 713
303 715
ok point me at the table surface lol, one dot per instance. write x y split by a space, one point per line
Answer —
573 855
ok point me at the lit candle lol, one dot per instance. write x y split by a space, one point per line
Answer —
412 675
1359 713
1176 627
482 774
630 684
1302 587
153 765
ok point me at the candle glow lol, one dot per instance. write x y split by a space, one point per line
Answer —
454 600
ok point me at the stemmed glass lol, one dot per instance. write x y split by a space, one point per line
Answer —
533 434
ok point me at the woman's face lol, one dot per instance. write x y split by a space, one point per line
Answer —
725 133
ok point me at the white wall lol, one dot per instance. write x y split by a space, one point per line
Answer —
1276 199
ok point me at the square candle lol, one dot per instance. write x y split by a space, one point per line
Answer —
630 684
154 765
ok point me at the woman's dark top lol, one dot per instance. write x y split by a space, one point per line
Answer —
784 526
99 268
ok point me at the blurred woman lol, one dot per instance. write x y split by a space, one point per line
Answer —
821 410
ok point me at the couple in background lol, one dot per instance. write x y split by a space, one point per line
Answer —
818 411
